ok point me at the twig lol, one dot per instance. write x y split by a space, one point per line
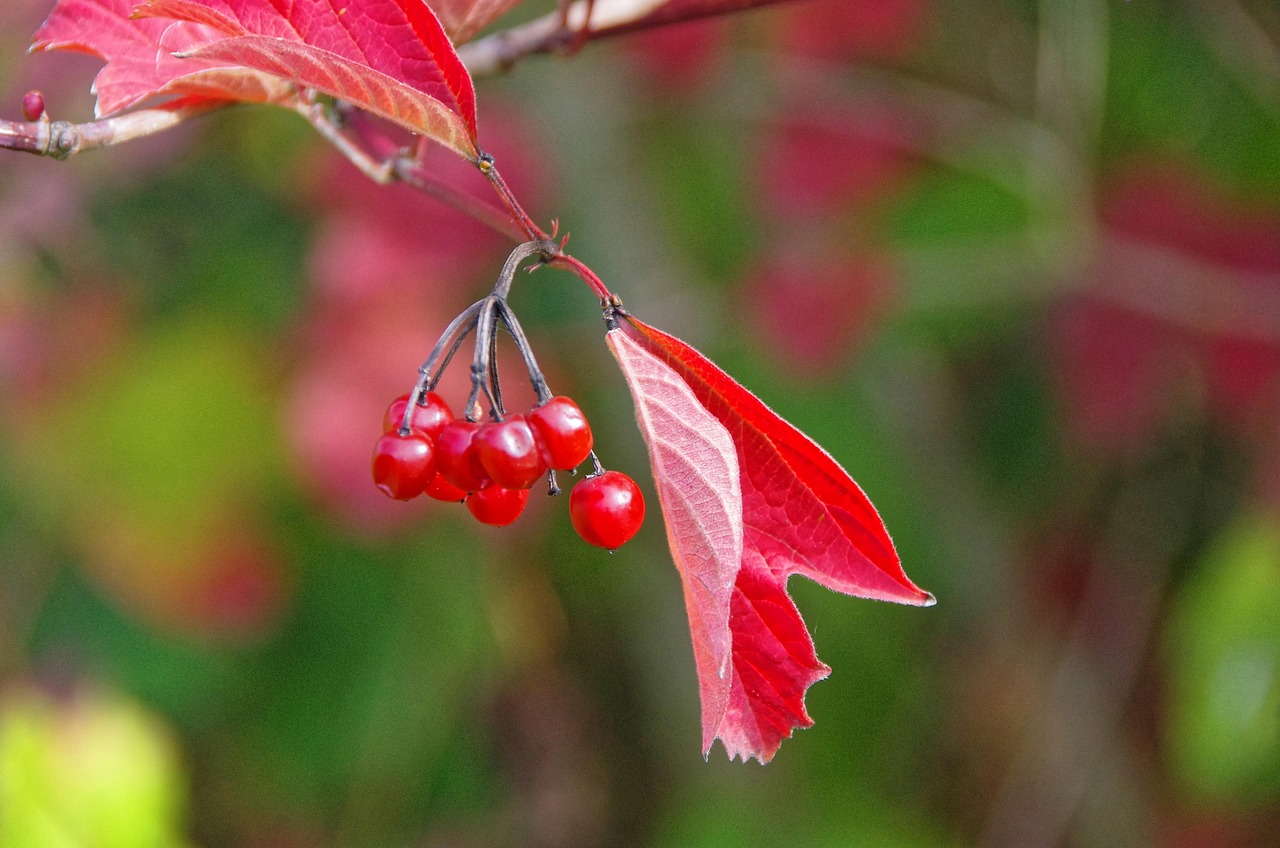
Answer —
499 52
63 139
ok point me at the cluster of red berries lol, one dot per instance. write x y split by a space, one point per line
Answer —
492 466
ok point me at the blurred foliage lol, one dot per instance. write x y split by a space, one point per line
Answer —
1015 264
1225 667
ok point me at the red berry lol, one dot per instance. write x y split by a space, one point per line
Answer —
562 433
403 465
442 490
456 458
606 509
509 454
429 415
496 505
32 105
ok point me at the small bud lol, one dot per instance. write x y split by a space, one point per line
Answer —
32 105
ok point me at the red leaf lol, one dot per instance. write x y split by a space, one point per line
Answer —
462 19
351 81
695 469
138 56
801 513
390 57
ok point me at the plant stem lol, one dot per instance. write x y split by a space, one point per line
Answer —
536 378
489 168
583 21
63 139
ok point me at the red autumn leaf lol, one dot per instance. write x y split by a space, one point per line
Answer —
390 57
462 19
801 513
139 60
695 469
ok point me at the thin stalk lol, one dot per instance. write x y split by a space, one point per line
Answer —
489 168
493 368
542 247
461 327
539 382
480 359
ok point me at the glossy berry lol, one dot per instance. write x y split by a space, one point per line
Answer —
496 505
429 416
456 458
32 105
509 454
403 465
606 509
562 433
441 489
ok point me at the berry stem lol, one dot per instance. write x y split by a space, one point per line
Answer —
496 395
461 327
543 247
481 357
526 351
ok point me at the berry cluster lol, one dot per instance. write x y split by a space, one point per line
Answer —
491 466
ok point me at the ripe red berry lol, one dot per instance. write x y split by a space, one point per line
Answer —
562 433
403 465
606 509
429 415
441 489
497 505
456 458
509 454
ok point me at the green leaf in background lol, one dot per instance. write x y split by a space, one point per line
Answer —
156 467
1224 719
91 771
956 206
698 172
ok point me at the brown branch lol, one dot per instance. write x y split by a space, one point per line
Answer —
558 30
63 139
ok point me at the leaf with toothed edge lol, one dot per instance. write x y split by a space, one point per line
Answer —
138 56
390 57
695 470
799 513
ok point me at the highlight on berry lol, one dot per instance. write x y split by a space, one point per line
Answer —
489 458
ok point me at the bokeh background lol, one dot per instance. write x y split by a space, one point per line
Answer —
1015 264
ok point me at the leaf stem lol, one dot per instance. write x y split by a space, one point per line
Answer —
489 168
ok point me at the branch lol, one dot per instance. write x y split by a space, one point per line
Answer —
499 52
63 139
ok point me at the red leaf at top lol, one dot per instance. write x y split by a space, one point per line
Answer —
139 60
801 513
390 57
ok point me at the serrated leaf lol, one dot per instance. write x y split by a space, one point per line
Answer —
372 91
695 469
801 513
391 57
139 60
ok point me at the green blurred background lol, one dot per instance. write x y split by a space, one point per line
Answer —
1015 264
